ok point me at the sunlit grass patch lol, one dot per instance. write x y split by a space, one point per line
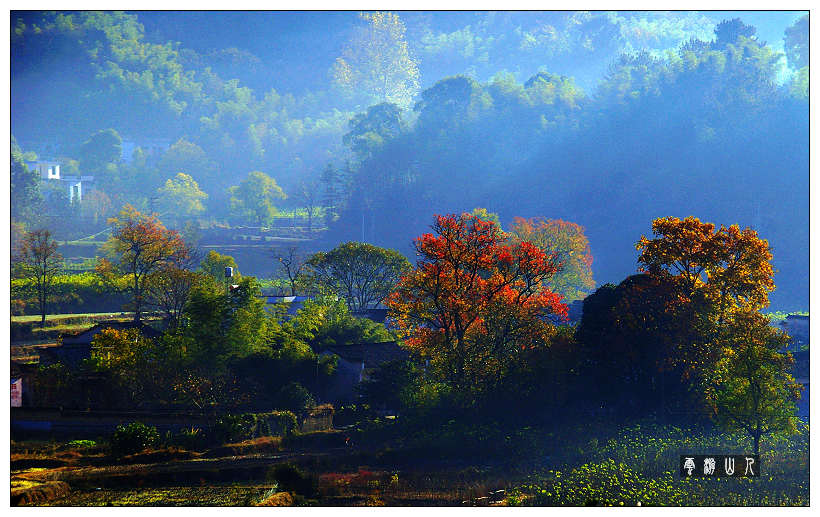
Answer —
639 464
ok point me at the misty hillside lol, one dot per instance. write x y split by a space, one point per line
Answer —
608 120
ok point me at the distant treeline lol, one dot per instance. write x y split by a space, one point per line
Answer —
699 124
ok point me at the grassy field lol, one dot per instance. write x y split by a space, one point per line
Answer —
589 464
52 319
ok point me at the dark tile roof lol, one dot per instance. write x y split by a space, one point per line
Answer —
373 354
379 315
76 347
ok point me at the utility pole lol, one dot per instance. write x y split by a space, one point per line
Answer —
151 201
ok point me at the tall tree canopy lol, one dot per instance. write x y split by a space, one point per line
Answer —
181 197
729 266
377 61
568 243
796 43
139 245
360 273
101 149
474 305
751 388
253 199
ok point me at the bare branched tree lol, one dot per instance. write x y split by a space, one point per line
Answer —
309 194
291 266
169 287
40 263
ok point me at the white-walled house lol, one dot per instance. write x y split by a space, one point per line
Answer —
49 171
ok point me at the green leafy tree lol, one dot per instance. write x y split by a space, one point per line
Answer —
730 31
103 148
451 103
796 43
225 326
322 323
799 86
253 199
485 215
41 264
751 388
25 186
214 265
377 61
370 130
132 360
566 242
190 159
360 273
182 197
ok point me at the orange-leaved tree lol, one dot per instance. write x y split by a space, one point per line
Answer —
139 246
729 268
568 243
720 273
474 306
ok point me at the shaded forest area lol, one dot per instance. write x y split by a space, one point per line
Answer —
678 115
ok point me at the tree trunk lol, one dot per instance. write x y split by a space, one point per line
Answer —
137 301
757 443
42 298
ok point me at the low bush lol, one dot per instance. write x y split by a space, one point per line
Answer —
294 397
192 439
81 444
228 429
608 484
132 438
236 428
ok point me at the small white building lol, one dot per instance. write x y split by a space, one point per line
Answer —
47 170
74 185
150 146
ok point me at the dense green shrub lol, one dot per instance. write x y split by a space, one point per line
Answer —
133 437
291 479
275 423
294 397
229 429
20 331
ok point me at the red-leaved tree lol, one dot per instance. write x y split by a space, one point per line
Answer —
475 307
